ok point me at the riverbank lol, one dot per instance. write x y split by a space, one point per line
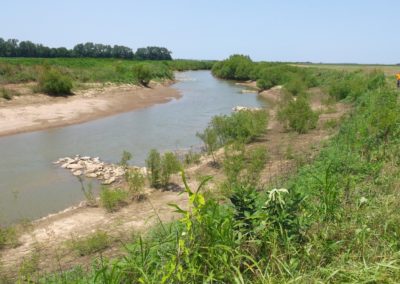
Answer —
38 112
48 238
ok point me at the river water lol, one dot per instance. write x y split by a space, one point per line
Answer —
32 187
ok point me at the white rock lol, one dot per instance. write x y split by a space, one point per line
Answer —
74 166
77 173
109 181
91 175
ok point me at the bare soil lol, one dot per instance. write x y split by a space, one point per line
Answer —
48 237
31 112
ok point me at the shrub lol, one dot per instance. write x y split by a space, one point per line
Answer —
298 115
264 84
169 165
54 83
112 199
210 140
142 74
136 181
93 243
295 85
153 163
126 157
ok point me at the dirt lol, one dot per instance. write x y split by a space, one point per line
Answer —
48 237
31 112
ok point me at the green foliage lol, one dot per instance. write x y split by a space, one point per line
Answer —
95 242
243 166
8 237
169 165
112 198
192 157
126 157
83 70
234 162
295 86
153 163
242 126
236 67
136 182
54 83
210 140
298 115
143 74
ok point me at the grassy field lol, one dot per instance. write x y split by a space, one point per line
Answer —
387 69
19 70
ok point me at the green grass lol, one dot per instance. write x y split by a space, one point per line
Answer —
389 70
17 70
95 242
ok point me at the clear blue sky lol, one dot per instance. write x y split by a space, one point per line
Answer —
362 31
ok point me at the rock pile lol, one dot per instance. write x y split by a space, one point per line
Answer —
94 168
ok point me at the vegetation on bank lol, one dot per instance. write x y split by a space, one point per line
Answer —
334 221
59 75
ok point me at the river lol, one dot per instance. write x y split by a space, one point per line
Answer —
32 187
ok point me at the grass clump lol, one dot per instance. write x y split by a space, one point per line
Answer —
8 237
112 198
96 242
55 83
8 94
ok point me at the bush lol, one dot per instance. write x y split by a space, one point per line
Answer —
54 83
93 243
153 163
136 181
169 165
142 74
112 199
264 84
295 86
210 140
298 115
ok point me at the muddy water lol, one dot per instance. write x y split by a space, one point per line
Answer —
31 186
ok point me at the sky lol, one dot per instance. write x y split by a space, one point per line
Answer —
340 31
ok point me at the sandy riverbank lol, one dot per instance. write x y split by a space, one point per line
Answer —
38 112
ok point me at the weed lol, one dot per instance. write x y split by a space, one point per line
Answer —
112 199
136 182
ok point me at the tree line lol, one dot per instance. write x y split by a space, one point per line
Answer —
16 48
